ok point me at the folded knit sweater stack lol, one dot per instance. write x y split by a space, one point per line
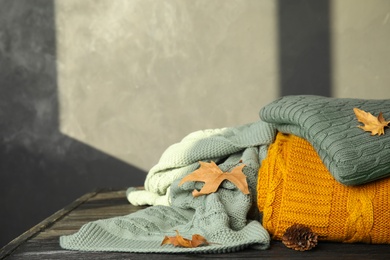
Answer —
301 178
318 151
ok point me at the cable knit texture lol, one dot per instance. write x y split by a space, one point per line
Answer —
294 186
352 156
226 218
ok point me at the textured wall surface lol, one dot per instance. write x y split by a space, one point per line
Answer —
361 48
92 92
41 169
131 71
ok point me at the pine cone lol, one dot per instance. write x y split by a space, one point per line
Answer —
299 237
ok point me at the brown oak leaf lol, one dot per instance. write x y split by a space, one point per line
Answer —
375 125
212 176
178 240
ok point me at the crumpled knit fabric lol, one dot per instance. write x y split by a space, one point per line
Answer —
183 157
221 217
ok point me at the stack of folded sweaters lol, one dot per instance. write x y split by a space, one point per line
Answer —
325 172
306 161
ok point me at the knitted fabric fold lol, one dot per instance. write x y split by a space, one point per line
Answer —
143 231
226 218
182 158
294 186
351 155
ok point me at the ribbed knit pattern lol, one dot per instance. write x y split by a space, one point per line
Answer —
143 231
352 156
294 186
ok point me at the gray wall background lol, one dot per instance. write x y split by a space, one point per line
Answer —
92 92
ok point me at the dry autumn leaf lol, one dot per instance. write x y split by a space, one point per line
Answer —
178 240
375 125
212 176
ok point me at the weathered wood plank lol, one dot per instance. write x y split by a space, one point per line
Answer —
42 242
277 251
10 247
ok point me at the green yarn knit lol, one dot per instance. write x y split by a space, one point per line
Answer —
143 231
352 156
182 158
221 217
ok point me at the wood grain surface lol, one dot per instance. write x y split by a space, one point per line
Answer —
42 241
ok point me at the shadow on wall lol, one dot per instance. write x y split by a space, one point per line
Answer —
304 47
41 170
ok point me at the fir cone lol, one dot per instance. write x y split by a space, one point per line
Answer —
299 237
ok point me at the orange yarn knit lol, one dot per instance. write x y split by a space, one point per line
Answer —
294 186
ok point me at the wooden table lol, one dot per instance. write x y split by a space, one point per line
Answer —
41 242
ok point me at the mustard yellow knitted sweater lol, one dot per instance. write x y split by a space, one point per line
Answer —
294 186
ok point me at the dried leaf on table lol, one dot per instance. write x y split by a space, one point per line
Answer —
372 124
178 240
212 176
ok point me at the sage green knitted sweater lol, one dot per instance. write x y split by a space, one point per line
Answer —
351 155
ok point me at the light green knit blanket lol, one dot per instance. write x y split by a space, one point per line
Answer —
226 218
329 124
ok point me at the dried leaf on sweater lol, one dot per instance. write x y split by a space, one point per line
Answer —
375 125
178 240
212 176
